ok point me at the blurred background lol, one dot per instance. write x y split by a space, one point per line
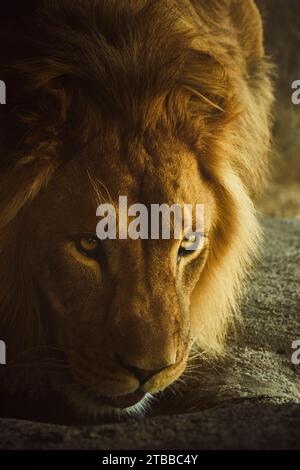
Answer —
282 40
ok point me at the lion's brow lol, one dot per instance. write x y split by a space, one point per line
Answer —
98 187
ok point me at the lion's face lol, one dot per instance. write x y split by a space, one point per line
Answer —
120 309
128 99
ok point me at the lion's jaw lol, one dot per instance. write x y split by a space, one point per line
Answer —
124 320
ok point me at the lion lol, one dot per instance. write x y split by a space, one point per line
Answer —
162 101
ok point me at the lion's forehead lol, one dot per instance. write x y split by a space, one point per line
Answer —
156 170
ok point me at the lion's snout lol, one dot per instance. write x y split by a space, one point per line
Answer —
144 375
116 386
143 347
114 376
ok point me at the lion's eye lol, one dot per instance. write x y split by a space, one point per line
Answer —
88 245
189 245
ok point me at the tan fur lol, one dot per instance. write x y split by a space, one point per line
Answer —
165 101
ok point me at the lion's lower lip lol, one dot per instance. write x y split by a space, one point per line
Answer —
124 401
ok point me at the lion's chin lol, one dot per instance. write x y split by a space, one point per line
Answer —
94 407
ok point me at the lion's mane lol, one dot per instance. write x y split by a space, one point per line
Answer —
75 67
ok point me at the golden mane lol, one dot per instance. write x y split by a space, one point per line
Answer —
155 65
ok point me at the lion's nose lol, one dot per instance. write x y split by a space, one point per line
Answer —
143 375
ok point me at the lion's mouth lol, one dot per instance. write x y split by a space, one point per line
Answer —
124 401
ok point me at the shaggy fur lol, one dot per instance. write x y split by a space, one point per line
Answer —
183 78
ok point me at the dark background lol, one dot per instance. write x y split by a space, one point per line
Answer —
282 39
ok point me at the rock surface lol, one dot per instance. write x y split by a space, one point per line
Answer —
249 401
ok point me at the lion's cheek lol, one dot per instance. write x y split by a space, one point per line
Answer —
101 375
56 303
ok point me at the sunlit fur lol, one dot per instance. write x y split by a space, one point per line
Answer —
93 410
194 69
